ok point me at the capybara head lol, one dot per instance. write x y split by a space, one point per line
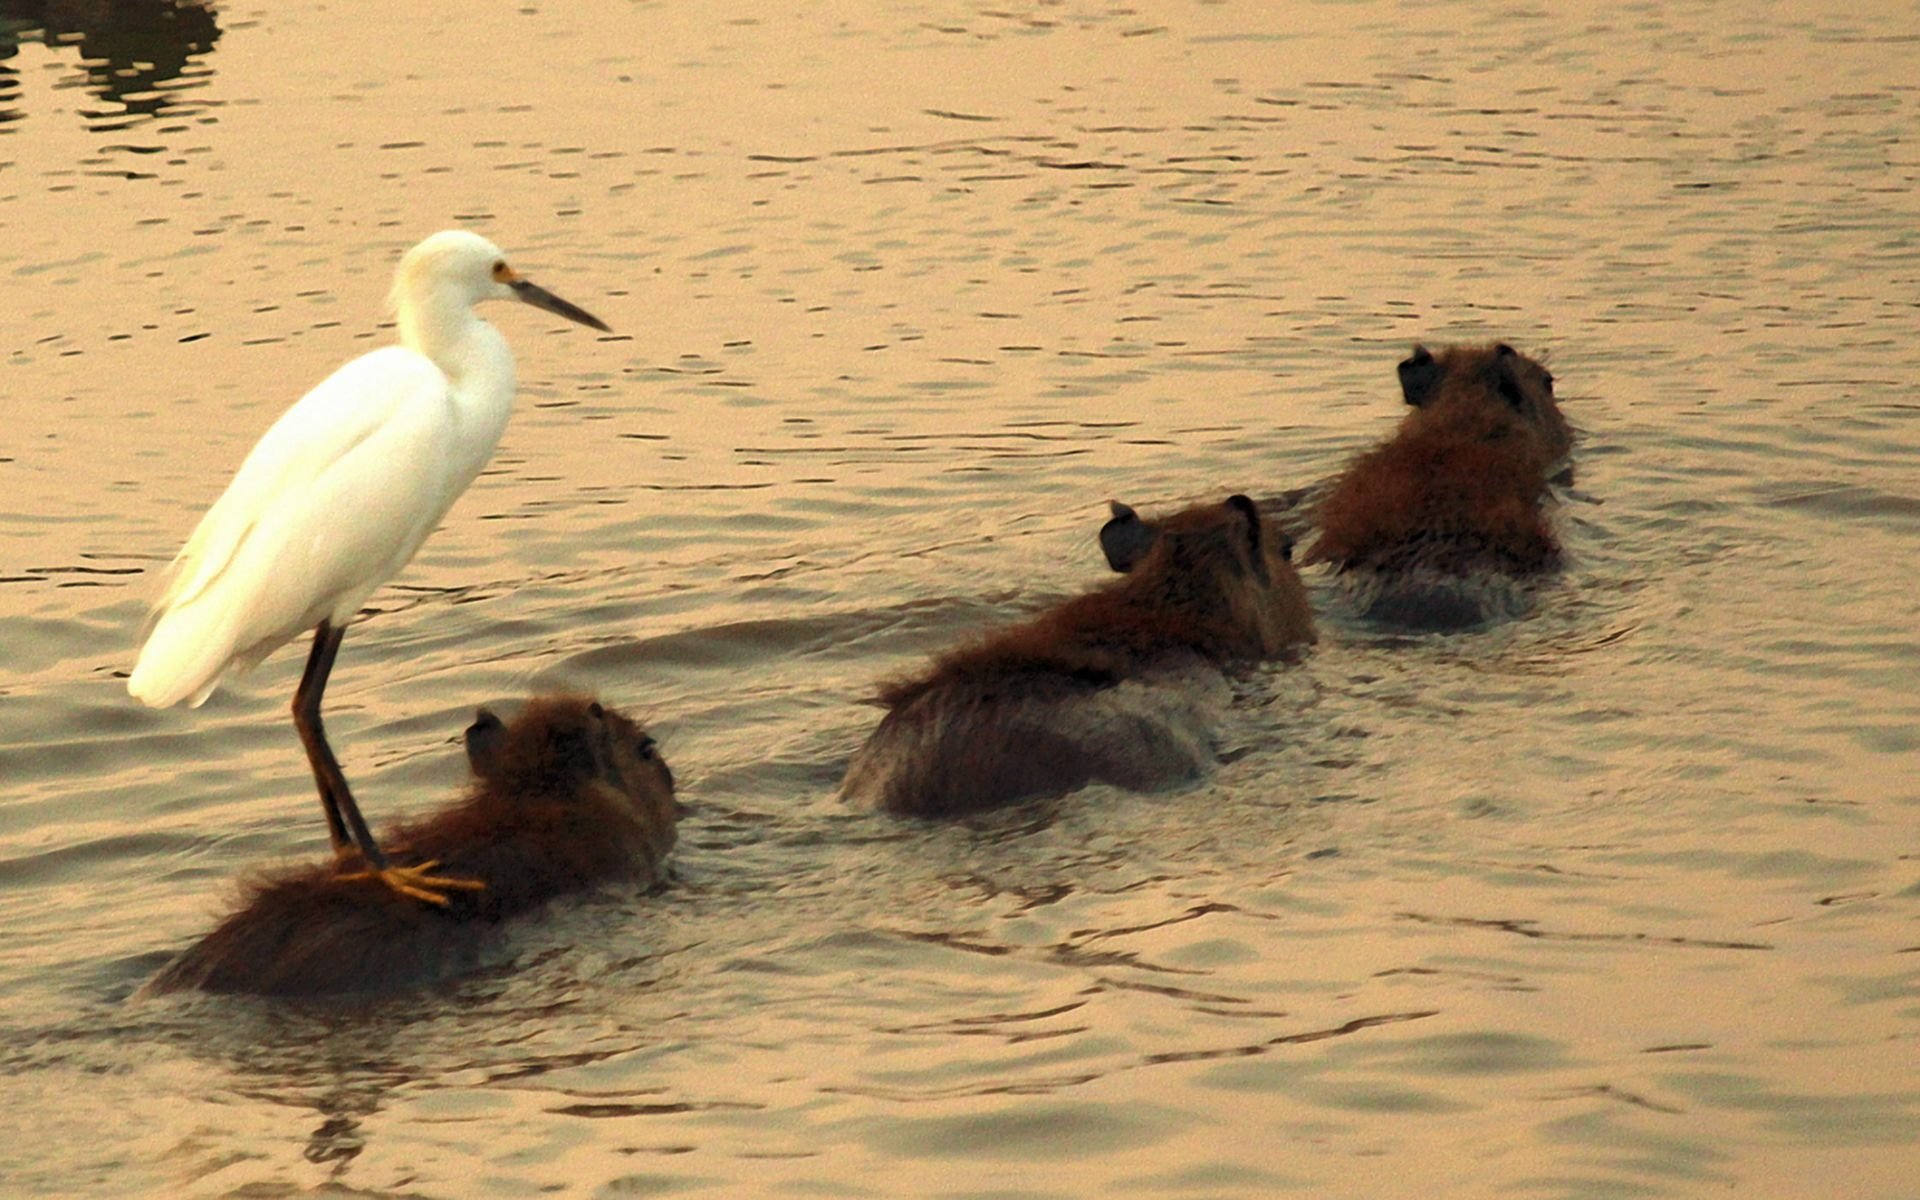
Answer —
1495 386
1219 564
570 748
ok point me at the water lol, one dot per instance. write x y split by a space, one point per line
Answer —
1614 899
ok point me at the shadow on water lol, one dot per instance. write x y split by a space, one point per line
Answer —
136 55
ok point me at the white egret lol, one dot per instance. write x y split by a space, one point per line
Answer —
335 498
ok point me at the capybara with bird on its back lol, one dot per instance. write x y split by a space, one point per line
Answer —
1120 685
567 795
1425 524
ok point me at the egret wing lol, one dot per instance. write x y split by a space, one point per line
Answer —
322 427
324 508
362 518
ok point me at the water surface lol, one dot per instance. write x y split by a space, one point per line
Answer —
1617 898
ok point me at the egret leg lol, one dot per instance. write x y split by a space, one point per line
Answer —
345 825
335 797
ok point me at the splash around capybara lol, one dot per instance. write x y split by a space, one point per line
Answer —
566 795
1120 685
1425 523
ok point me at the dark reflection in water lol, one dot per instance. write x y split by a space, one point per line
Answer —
134 54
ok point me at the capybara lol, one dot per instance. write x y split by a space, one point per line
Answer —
1426 524
566 795
1121 685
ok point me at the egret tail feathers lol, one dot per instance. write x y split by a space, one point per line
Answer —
182 660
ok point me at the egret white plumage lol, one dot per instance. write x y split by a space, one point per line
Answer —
336 497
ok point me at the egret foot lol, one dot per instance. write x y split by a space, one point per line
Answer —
419 883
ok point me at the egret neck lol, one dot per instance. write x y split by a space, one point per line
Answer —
437 321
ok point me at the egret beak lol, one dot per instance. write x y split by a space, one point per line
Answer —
540 297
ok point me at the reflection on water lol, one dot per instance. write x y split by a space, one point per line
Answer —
1612 899
139 56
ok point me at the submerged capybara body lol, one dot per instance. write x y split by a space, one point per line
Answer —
567 795
1457 495
1120 685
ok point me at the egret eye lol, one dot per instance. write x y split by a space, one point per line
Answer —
500 270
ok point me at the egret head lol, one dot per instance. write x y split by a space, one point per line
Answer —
467 268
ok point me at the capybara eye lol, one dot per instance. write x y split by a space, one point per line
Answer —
644 747
1549 382
1286 549
595 711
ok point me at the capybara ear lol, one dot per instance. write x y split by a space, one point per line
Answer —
1254 530
485 737
1419 377
1126 538
1506 377
1245 506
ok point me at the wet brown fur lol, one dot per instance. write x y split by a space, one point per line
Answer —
567 795
1462 486
989 722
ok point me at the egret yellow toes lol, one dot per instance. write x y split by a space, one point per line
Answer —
420 883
